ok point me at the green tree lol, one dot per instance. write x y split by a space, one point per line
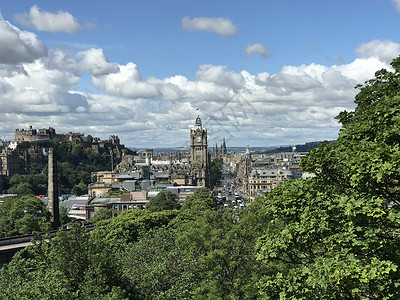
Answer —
64 218
216 171
35 168
73 265
164 200
207 256
77 150
22 189
23 215
126 227
80 189
23 146
35 184
200 200
221 250
156 267
337 235
102 214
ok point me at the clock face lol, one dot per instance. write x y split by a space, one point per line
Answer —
198 139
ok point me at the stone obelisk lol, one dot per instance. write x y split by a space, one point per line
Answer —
53 203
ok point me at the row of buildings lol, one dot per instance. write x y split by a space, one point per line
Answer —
141 176
258 174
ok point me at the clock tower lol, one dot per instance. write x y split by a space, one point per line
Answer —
199 160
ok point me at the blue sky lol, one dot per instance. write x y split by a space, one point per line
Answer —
258 72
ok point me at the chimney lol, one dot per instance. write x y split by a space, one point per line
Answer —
53 202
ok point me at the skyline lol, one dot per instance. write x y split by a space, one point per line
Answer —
262 73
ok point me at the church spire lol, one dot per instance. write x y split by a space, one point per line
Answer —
223 147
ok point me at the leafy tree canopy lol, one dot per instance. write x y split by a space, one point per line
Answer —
73 265
200 200
337 234
102 214
124 229
216 171
164 200
23 215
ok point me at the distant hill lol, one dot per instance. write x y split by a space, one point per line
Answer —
268 149
299 148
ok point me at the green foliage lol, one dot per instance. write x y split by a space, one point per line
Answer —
323 243
116 193
102 214
35 168
143 255
77 150
74 165
216 171
200 200
299 148
208 256
64 218
33 184
23 215
164 200
73 265
23 146
336 235
155 267
80 189
125 228
221 250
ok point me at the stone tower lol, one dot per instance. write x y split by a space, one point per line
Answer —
199 158
149 156
53 202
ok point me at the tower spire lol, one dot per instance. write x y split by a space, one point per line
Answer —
198 123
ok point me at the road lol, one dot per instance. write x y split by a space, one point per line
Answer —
228 192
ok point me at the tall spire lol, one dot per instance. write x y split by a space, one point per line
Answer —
248 151
223 147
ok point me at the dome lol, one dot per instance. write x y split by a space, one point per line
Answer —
198 123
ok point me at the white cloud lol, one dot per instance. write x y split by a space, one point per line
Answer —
37 88
237 106
396 4
61 21
126 83
257 48
220 76
384 50
362 69
294 105
18 46
94 62
222 26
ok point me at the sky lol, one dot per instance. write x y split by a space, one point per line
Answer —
258 72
